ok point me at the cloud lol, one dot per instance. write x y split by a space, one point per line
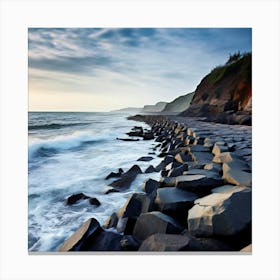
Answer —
163 62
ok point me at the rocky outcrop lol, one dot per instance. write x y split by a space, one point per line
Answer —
158 107
225 94
178 105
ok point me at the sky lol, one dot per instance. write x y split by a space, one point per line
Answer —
103 69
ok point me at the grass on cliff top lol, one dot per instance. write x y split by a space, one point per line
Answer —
240 67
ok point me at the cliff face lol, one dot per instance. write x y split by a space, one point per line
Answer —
158 107
178 105
225 94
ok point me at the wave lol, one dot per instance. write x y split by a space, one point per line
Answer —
54 125
47 148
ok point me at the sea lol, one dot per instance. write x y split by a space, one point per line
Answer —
70 153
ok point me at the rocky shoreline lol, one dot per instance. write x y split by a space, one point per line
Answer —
203 201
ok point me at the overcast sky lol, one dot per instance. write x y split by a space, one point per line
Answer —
95 69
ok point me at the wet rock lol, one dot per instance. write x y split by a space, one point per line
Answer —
76 240
74 198
166 242
178 170
221 214
199 148
114 174
112 221
126 225
111 190
128 139
136 204
182 158
94 201
103 241
237 172
145 159
155 222
175 202
199 184
150 186
150 169
148 136
167 182
129 243
202 157
126 178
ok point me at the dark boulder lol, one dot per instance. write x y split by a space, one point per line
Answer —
74 198
150 185
166 242
145 159
136 204
178 170
76 240
129 243
199 184
112 221
126 178
114 174
127 139
126 225
103 241
150 169
175 202
94 201
221 214
155 222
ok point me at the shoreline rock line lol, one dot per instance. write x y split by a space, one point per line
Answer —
202 202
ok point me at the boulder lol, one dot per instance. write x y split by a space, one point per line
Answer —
136 204
111 190
199 148
150 169
126 225
94 201
202 157
112 221
103 241
148 136
218 149
76 240
178 170
129 243
74 198
182 157
237 172
126 178
127 139
150 185
221 214
114 174
199 184
159 242
155 222
145 159
172 165
167 182
175 202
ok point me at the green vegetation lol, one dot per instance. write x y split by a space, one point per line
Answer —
236 64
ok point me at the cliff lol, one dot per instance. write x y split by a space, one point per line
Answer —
158 107
178 105
225 94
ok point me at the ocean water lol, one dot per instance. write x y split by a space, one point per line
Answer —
70 153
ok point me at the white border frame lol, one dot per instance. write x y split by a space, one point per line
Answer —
17 16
